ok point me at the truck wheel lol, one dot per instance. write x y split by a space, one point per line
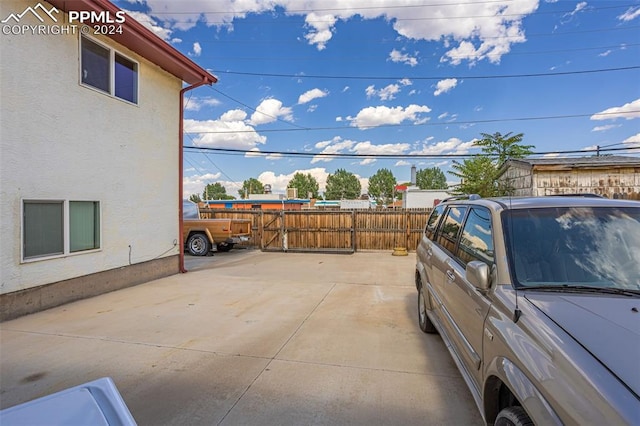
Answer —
224 247
198 245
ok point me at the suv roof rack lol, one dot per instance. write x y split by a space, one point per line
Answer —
585 194
462 197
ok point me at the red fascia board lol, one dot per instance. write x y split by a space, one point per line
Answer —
144 42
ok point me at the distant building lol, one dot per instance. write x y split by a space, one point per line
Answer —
608 176
264 202
416 198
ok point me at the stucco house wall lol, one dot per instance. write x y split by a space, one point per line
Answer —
61 140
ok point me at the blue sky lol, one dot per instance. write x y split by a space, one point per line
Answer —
396 77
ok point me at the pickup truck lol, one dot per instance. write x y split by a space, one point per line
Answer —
200 236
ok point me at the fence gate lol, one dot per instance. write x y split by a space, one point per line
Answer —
306 231
272 231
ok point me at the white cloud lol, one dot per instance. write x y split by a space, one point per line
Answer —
628 111
632 13
383 115
223 134
335 146
398 56
234 115
150 23
472 31
255 153
450 146
367 161
367 148
389 92
633 140
195 104
279 182
605 53
270 110
605 127
197 49
310 95
444 86
195 184
402 163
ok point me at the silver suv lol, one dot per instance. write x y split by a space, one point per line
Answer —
538 301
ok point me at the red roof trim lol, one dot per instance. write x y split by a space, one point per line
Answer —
144 42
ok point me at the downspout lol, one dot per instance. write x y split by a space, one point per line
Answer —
181 166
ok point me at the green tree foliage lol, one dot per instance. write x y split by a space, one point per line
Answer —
342 185
477 176
195 198
251 186
382 186
431 178
216 191
503 147
305 184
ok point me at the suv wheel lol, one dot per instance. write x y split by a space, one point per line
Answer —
513 416
423 320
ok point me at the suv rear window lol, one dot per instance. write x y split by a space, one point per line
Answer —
432 223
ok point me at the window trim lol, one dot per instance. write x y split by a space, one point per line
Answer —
66 230
112 71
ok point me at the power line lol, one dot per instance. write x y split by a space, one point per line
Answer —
459 77
232 151
351 58
495 120
396 19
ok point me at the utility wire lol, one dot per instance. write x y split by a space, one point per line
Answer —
232 151
395 19
495 120
459 77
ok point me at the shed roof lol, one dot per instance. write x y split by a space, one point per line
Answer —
144 42
568 163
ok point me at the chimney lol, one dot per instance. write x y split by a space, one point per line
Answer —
413 175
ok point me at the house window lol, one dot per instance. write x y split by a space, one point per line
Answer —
108 71
43 227
55 228
84 225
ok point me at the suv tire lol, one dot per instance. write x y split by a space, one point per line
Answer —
423 319
513 416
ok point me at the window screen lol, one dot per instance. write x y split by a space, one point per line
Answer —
43 228
84 225
95 65
126 76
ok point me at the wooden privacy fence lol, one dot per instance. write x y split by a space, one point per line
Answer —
340 231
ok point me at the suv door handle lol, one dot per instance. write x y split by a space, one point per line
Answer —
450 276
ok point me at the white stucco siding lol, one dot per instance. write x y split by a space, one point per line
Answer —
63 141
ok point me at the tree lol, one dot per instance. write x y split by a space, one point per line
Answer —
251 186
477 176
305 184
382 187
431 178
503 147
215 191
342 185
195 198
